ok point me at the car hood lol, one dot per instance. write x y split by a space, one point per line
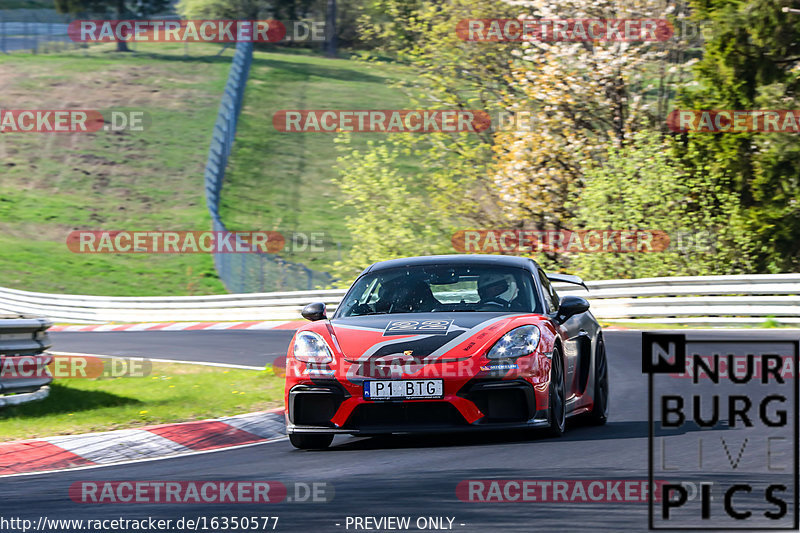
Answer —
427 336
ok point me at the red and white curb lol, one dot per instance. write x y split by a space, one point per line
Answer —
181 326
125 445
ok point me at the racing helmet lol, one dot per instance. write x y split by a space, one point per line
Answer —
491 285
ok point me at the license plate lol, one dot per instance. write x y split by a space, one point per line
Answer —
405 389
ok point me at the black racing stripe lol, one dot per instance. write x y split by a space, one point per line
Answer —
379 322
420 347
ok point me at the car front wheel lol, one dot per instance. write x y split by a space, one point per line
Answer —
557 412
599 413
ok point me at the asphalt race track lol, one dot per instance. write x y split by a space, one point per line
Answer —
390 476
240 347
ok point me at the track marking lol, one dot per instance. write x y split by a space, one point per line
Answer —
159 360
147 459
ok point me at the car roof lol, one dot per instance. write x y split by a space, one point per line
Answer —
463 259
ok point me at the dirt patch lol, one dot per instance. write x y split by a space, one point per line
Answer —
116 86
35 231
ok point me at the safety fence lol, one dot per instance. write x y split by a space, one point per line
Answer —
244 273
704 300
35 30
23 360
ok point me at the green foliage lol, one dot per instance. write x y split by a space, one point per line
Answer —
642 187
411 212
750 62
348 13
595 159
770 322
390 215
225 9
120 8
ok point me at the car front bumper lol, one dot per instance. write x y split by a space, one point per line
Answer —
326 406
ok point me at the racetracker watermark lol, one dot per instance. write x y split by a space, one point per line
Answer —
734 121
174 242
555 490
561 241
148 523
381 120
200 492
211 31
71 120
408 366
72 367
195 31
564 30
404 120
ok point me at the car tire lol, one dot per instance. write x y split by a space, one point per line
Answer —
557 404
599 412
310 441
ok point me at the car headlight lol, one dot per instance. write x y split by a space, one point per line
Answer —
516 343
309 347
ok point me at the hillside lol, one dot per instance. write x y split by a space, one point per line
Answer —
55 183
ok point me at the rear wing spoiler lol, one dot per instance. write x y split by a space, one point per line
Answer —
567 278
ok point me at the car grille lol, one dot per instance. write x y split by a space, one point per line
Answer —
404 415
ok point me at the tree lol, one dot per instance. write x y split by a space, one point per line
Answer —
641 186
391 215
751 60
284 10
447 188
583 97
340 16
121 9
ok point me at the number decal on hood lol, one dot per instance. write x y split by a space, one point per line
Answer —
408 327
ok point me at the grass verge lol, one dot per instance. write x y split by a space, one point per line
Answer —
51 184
172 392
153 180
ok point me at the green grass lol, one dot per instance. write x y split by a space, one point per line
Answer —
153 180
284 181
51 184
169 393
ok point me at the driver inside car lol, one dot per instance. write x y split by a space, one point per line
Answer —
490 287
420 299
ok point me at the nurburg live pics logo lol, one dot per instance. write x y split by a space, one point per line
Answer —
733 434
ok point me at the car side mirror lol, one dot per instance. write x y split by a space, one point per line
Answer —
315 311
570 306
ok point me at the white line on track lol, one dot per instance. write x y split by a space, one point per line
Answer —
201 363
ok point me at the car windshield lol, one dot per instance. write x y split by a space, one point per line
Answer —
440 289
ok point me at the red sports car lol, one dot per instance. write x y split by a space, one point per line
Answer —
446 343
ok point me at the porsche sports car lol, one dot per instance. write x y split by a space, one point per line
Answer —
443 344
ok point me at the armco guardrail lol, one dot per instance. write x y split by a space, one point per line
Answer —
99 309
743 299
23 341
703 299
